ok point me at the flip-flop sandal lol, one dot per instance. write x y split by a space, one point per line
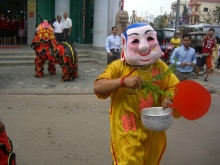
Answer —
195 77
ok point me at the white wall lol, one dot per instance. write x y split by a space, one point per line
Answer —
104 18
31 25
62 6
113 10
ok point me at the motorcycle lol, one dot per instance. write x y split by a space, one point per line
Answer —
167 51
203 69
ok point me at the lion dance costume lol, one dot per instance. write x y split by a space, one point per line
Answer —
7 156
48 49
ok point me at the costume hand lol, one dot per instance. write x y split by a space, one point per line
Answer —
166 103
2 127
110 54
183 64
134 82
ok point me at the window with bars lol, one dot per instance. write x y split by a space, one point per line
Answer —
206 9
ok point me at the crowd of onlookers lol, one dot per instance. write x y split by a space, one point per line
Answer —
11 29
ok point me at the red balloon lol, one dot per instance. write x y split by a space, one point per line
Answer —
191 100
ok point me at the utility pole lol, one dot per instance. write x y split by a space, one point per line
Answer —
177 15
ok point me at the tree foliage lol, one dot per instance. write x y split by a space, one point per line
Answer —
208 19
152 24
161 21
216 14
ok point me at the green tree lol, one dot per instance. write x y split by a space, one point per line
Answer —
185 17
208 18
152 24
160 22
216 14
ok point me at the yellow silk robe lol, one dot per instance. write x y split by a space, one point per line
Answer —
131 143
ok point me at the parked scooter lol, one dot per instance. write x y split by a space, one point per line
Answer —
203 69
167 51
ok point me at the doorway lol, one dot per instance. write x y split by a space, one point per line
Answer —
18 10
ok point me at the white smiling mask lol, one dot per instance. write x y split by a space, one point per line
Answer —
140 45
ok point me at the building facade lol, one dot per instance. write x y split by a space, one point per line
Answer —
91 19
200 11
183 5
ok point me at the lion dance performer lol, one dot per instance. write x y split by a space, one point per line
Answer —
131 142
7 156
48 49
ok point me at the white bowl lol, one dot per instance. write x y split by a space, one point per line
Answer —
157 118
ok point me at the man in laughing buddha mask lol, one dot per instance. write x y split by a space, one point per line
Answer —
131 143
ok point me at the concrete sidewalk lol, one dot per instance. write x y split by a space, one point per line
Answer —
21 80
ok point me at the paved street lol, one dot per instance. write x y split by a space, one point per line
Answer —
74 129
52 122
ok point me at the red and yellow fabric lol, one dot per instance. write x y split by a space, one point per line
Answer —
43 39
47 48
68 61
7 157
131 143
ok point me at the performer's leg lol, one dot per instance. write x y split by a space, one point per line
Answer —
51 68
74 71
39 66
65 73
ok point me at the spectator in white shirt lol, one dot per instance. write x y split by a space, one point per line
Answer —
58 29
67 23
112 46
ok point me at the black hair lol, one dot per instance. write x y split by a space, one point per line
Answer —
175 34
114 27
212 29
186 35
123 25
